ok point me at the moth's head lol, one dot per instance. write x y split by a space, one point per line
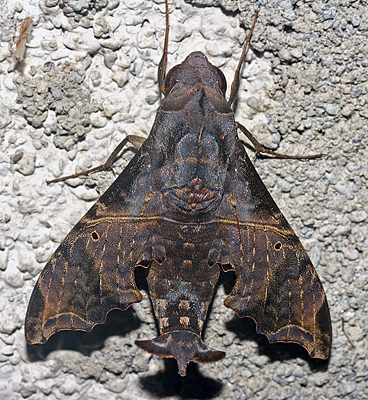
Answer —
195 68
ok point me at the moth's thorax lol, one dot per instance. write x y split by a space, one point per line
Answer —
195 186
193 175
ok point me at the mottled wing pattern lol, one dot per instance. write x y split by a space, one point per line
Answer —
92 271
276 283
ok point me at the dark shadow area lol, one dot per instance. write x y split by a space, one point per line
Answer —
257 53
288 28
169 383
140 276
117 323
227 279
245 329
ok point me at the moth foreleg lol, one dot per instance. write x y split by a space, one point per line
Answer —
260 149
136 141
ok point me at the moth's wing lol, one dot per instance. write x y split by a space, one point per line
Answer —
92 271
276 283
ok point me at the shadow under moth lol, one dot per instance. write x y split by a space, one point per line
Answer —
188 204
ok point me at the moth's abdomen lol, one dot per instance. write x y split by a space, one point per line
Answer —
181 290
179 302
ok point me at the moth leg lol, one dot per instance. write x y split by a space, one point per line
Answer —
136 141
260 149
163 63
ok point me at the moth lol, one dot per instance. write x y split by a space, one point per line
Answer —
189 204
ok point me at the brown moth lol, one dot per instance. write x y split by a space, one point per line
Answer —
188 204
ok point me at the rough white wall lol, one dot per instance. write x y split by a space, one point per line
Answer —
88 79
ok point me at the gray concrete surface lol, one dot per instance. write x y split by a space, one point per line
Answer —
87 80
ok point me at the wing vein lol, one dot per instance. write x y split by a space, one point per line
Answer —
267 279
100 271
290 307
117 266
75 281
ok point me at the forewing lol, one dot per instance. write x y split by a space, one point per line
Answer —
276 283
92 271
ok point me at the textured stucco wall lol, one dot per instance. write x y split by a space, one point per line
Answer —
88 79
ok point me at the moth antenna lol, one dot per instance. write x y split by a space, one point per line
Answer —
163 63
235 84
